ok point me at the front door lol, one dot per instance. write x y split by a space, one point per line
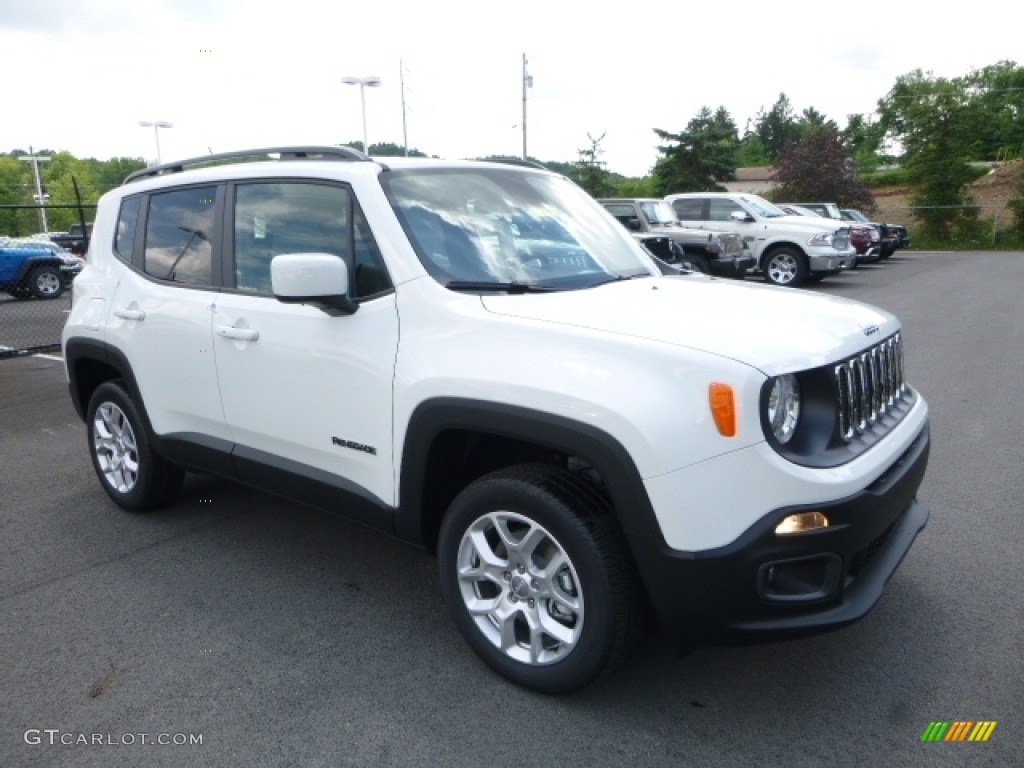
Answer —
306 395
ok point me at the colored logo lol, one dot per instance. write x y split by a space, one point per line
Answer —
958 730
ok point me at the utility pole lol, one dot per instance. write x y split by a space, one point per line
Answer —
35 159
401 81
527 83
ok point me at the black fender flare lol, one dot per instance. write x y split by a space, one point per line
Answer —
603 451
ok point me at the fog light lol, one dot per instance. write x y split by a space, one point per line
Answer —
801 523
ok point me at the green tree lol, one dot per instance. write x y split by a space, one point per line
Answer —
863 139
16 188
590 172
777 128
1017 205
699 158
935 121
385 149
996 97
818 167
61 174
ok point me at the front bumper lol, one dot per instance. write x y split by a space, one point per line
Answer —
68 272
870 255
766 587
732 267
834 261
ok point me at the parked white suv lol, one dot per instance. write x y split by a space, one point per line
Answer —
789 250
479 359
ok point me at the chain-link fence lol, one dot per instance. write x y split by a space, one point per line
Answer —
36 273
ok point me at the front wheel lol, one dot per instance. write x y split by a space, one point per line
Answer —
786 266
538 577
46 283
130 471
694 263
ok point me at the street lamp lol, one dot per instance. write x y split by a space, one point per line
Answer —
370 81
157 125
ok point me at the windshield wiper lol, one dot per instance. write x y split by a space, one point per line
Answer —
507 287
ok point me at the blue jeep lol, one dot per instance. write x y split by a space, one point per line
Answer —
36 268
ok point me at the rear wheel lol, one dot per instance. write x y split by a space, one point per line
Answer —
786 266
130 471
538 577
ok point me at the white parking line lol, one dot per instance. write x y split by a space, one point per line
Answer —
50 357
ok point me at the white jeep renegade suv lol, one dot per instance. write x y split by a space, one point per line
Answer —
478 358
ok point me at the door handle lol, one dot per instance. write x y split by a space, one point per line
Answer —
129 314
240 334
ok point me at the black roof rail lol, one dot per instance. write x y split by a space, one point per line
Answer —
516 161
284 153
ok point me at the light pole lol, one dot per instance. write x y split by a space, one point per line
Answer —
527 83
370 81
157 125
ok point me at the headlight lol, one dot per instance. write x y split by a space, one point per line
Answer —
825 238
784 407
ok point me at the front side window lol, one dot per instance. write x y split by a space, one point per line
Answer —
179 235
273 218
721 208
501 227
658 212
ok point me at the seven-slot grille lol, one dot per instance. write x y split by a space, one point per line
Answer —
869 385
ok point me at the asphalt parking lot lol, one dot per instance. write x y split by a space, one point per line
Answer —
282 637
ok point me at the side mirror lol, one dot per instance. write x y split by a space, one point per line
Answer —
635 225
741 216
319 279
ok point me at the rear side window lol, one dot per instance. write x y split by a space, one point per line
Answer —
688 208
127 219
179 234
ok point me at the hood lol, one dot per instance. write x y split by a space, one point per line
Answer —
776 330
811 225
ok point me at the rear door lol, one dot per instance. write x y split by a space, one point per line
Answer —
160 315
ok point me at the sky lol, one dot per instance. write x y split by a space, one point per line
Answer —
238 74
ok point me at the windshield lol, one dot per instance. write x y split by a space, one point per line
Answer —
508 228
658 212
855 215
762 207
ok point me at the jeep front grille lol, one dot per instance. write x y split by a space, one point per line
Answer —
869 385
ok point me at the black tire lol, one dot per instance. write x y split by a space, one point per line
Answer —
592 599
130 471
694 263
46 282
786 266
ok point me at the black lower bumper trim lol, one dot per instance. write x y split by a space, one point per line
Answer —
765 587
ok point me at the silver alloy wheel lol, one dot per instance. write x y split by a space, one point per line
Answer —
520 588
48 283
116 450
783 268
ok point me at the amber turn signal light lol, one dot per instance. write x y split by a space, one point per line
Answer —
723 408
